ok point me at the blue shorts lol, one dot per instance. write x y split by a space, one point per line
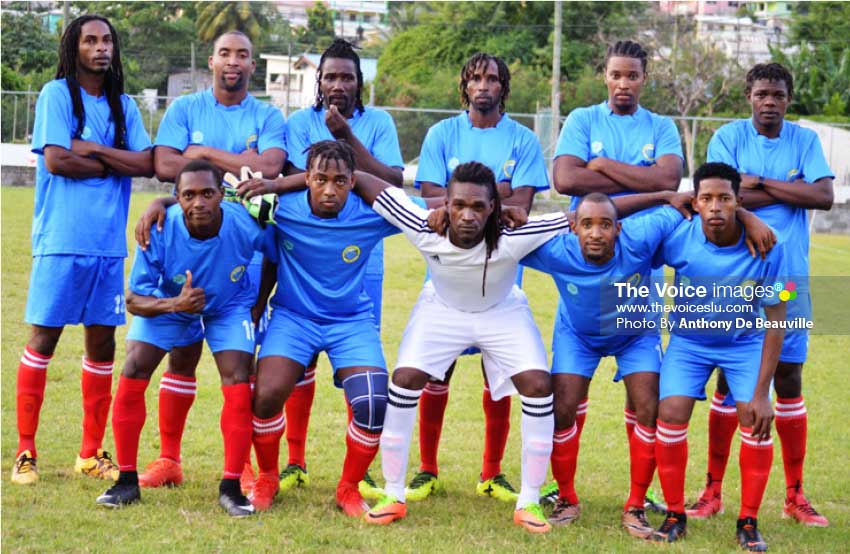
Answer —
232 329
795 347
348 344
688 365
373 285
68 289
255 272
573 356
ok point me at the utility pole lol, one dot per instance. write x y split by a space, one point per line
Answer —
66 14
556 80
288 76
192 69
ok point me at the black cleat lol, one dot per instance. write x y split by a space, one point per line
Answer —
675 527
748 535
119 495
232 500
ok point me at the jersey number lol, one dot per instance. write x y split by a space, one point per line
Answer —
249 330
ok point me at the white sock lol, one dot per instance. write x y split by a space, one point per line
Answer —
538 426
395 438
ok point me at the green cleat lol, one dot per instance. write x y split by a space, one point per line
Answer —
423 485
498 488
653 503
549 494
293 476
531 518
369 489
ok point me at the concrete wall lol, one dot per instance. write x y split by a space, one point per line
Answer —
17 176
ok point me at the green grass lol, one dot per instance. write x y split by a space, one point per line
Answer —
59 514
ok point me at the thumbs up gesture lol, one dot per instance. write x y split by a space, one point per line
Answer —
191 300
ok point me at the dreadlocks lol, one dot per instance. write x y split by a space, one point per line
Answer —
479 174
475 62
113 84
339 48
627 49
326 150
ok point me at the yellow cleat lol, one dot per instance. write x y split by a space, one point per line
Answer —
99 466
497 487
24 471
532 519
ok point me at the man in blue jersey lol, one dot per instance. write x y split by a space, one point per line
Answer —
486 134
338 113
718 290
324 237
90 140
784 173
615 147
191 284
229 128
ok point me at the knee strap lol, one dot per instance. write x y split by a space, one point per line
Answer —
366 393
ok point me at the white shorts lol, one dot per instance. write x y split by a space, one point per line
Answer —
506 334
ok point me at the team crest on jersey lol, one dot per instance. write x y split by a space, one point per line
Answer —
749 285
572 288
792 174
179 279
288 244
251 143
198 137
453 163
508 168
634 280
86 134
237 273
350 253
648 152
596 146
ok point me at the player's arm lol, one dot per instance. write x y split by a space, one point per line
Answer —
268 279
572 177
280 185
799 193
759 237
363 159
520 197
760 407
64 162
121 162
270 162
633 203
153 214
369 187
664 174
190 300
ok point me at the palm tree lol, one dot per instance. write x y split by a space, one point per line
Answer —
215 18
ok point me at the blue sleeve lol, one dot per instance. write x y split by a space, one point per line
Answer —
266 244
530 169
652 229
386 148
174 127
54 121
146 274
137 136
720 148
419 201
432 164
575 136
668 140
298 139
815 165
272 131
776 271
545 258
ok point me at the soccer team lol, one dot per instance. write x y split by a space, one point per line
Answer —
208 262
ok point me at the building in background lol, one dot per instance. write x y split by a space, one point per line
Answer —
355 20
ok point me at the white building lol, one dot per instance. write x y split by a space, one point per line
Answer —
739 38
353 19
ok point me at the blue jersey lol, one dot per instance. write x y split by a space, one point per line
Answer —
736 284
795 154
590 305
218 264
322 262
637 139
509 149
86 217
199 119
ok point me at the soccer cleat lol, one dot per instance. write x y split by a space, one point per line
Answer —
247 479
369 489
160 473
799 508
423 485
387 510
99 466
119 495
265 489
675 527
564 513
635 523
498 488
350 501
24 472
531 517
653 503
232 500
748 535
293 476
707 505
549 493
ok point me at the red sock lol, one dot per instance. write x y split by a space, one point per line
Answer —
791 426
432 408
671 455
755 459
128 418
266 439
297 409
236 428
97 396
642 464
497 425
581 414
176 395
361 446
32 378
564 457
630 419
722 422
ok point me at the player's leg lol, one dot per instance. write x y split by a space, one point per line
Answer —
297 411
497 426
432 411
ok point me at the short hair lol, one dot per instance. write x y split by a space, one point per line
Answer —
326 150
626 49
238 34
197 166
476 61
340 48
597 198
717 170
773 72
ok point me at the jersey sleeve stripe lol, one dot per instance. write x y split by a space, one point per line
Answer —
402 214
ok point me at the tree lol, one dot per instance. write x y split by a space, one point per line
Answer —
821 23
820 80
29 51
319 31
215 18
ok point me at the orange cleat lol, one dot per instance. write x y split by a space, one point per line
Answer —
247 479
387 510
350 501
265 489
799 508
532 519
707 505
161 472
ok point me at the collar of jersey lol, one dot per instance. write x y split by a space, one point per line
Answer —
215 103
606 109
343 213
710 245
783 132
184 231
468 122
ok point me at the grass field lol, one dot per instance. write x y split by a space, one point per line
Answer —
59 514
